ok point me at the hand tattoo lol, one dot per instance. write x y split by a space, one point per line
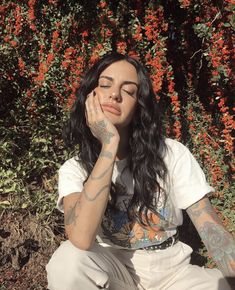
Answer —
100 129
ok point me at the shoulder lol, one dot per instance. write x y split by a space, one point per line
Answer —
72 165
175 149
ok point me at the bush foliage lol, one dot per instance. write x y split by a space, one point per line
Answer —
46 45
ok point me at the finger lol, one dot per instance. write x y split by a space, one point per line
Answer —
97 105
93 105
90 108
86 117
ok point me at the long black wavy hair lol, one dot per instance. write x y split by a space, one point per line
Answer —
146 143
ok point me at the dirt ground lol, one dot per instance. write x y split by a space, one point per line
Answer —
26 245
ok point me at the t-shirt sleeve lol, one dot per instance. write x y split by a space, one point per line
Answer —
70 180
189 181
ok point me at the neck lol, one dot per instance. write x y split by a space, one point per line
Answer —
123 148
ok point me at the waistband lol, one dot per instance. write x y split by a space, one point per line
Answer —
166 244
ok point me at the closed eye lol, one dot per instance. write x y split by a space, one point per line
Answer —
129 93
102 86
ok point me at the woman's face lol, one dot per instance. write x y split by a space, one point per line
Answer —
117 91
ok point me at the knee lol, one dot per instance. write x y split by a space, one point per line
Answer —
70 266
64 266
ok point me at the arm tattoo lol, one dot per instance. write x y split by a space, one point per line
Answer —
100 128
197 210
219 243
97 194
106 154
70 217
221 246
102 174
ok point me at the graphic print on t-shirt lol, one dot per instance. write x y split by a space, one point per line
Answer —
121 231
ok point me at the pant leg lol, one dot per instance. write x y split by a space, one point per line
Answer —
199 278
170 269
186 276
73 269
153 270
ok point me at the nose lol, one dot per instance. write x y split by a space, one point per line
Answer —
115 95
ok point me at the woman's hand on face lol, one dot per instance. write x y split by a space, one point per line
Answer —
99 125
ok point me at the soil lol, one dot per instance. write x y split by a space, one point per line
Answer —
26 245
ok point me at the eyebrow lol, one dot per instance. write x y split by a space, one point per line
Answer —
124 83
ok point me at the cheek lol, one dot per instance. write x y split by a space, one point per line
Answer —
131 106
129 110
102 93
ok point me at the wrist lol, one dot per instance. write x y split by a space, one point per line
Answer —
111 147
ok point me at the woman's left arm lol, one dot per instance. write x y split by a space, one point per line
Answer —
218 241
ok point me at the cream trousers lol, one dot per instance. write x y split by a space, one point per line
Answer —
104 267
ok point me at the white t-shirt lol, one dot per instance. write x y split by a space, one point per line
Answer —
185 185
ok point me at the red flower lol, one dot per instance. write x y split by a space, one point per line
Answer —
13 43
7 38
55 34
174 99
21 64
85 33
103 4
31 14
50 58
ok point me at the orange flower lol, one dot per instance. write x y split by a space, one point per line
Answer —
50 58
55 34
174 99
70 101
31 15
103 4
7 38
28 93
21 64
31 3
32 26
121 46
13 43
85 33
42 71
18 22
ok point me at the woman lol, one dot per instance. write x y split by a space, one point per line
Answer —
123 194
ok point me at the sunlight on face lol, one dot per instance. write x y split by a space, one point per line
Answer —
117 90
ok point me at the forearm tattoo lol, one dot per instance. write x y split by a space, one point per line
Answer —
102 174
101 130
219 242
71 216
220 245
197 210
88 197
106 154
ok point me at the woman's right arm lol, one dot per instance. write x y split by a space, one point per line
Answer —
83 211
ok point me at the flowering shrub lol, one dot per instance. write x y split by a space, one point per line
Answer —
46 45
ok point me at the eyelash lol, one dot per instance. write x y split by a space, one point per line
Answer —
129 93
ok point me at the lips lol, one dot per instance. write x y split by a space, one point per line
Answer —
111 108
